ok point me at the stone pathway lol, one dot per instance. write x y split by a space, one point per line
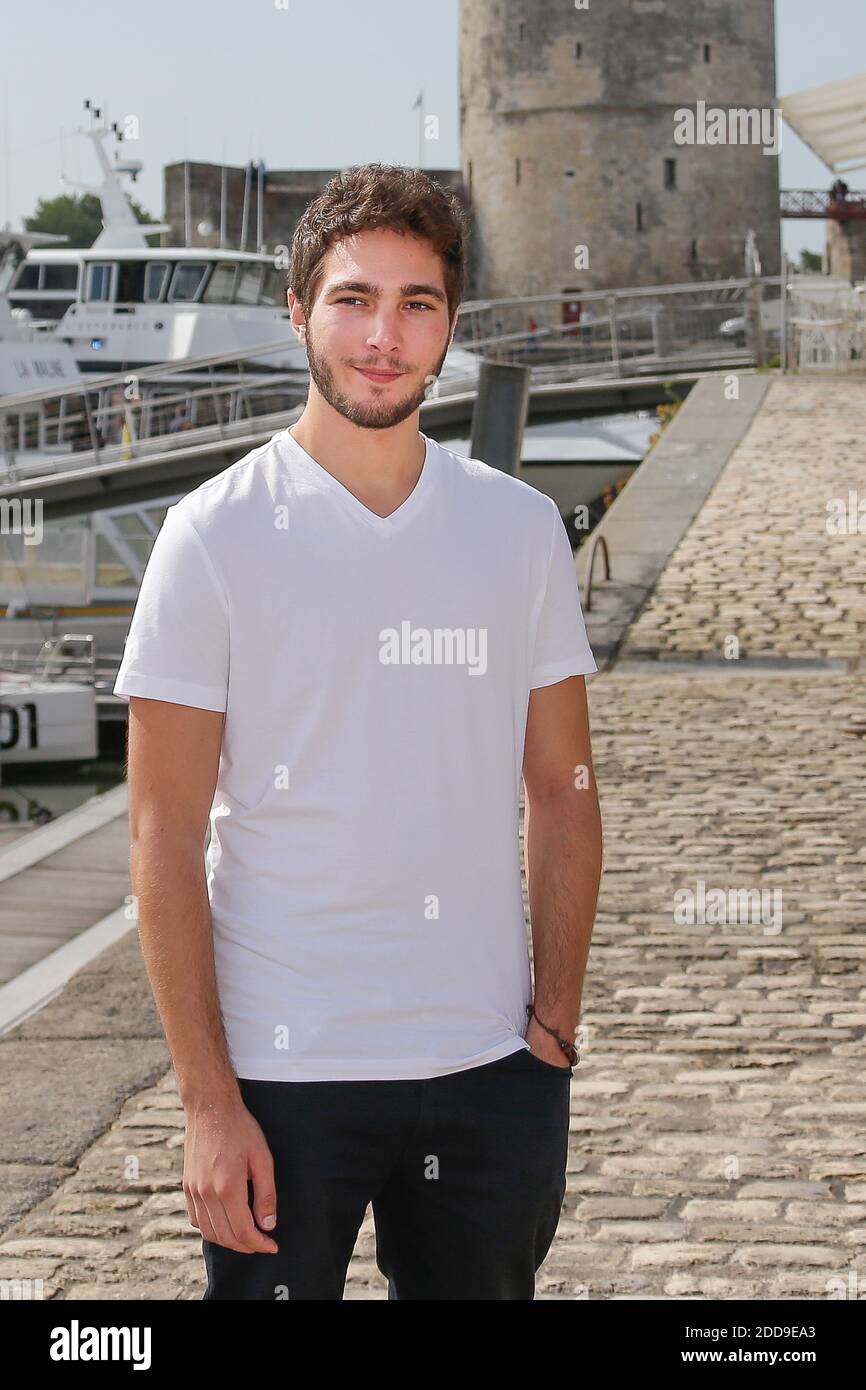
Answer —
718 1113
757 565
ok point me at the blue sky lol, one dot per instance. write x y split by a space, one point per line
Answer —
314 84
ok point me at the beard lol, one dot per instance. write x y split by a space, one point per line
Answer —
369 416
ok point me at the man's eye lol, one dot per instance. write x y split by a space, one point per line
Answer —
413 304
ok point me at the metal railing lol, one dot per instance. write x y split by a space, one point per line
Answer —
824 324
107 418
611 328
595 543
70 657
591 335
823 204
118 417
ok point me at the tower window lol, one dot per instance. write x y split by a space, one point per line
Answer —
570 173
706 52
522 32
469 170
517 171
670 173
638 216
578 51
694 249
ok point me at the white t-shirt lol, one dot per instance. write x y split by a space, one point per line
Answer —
363 868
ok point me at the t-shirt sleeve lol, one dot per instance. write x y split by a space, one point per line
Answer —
561 645
177 647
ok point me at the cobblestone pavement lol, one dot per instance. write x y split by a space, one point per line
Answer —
758 564
718 1125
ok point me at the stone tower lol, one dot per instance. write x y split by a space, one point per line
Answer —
635 129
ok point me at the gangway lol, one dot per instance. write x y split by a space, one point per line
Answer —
171 410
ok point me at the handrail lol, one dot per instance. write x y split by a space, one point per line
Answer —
594 543
287 344
629 292
161 369
51 661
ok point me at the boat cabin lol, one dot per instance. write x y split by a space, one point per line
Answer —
47 282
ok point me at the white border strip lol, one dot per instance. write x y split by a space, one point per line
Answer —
33 988
64 830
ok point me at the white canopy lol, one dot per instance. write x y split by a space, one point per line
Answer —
831 120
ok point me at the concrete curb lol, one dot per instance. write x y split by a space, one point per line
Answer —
670 487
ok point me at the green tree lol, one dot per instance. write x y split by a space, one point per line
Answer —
79 217
810 261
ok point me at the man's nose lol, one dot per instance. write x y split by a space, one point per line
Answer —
385 333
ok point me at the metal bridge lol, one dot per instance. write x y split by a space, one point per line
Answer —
817 203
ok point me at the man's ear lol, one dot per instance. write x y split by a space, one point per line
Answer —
299 322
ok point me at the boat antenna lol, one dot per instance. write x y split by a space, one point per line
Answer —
120 226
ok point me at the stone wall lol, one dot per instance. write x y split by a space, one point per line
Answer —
287 193
845 250
568 119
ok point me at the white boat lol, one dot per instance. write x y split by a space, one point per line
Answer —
31 360
32 357
15 246
121 305
48 713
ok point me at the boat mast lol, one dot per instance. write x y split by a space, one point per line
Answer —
120 226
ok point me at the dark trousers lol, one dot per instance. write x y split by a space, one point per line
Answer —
465 1173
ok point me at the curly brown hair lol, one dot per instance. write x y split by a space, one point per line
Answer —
380 195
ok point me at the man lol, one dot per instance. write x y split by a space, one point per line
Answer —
179 420
346 647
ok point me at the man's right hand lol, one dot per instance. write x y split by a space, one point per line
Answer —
224 1147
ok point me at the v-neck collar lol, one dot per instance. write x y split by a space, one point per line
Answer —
384 525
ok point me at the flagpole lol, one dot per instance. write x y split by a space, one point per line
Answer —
421 130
